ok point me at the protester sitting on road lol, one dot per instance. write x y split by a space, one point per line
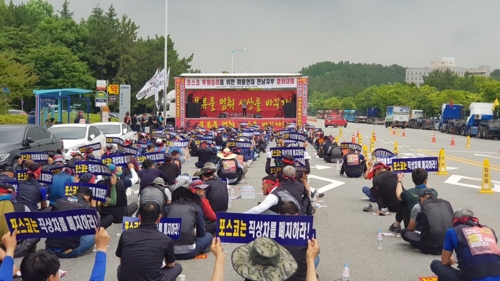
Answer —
205 153
31 192
157 192
276 196
170 169
7 175
371 172
142 250
178 159
333 154
298 252
216 193
194 238
9 204
293 186
429 221
476 248
74 246
411 196
117 205
353 165
149 173
56 189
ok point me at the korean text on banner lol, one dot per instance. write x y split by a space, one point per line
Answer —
98 191
153 156
45 176
407 165
279 169
95 168
118 160
115 140
130 150
39 157
242 83
244 228
294 137
296 152
94 146
53 224
382 152
168 226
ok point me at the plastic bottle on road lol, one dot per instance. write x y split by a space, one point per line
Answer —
346 273
379 240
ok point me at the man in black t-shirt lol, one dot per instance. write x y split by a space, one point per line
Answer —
151 245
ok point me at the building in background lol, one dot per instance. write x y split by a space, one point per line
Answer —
416 75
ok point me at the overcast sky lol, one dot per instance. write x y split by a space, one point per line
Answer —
286 35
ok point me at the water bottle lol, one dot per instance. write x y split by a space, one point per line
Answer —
379 240
231 193
225 247
346 273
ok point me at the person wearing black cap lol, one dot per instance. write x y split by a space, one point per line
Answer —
30 191
7 174
205 154
429 221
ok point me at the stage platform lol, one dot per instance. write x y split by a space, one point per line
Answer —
235 121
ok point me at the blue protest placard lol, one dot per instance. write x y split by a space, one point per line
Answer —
53 224
382 153
38 157
345 145
95 168
387 160
297 153
279 169
407 165
247 134
117 159
141 145
98 191
21 175
244 228
205 139
178 143
153 156
168 226
115 140
46 177
56 170
94 146
296 137
130 150
239 144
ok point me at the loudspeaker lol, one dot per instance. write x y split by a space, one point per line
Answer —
193 110
290 110
258 115
221 115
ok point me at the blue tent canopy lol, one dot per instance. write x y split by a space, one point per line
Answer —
59 94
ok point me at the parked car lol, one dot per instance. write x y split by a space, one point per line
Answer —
77 135
17 112
15 139
116 130
335 121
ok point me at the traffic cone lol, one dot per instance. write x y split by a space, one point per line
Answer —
404 133
357 133
374 136
353 139
394 131
434 137
452 141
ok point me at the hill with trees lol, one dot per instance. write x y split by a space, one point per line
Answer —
41 48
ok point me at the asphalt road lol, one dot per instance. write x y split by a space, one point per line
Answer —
346 233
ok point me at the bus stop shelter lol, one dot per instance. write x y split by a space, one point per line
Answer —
53 98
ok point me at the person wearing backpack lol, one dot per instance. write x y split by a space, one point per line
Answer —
156 192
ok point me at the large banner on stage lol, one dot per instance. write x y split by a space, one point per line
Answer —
269 103
202 98
235 123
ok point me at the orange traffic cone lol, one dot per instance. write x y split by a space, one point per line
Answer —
404 133
353 139
394 131
452 141
434 137
357 133
374 136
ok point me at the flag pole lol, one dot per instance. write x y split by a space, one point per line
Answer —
165 81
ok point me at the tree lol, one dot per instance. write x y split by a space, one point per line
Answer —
495 74
58 67
18 78
65 13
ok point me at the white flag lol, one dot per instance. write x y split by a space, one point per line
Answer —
148 88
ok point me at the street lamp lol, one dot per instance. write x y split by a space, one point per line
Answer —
246 69
165 78
232 58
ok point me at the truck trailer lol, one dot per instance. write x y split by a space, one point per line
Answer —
397 116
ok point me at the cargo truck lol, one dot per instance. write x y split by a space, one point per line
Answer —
397 116
451 118
417 119
349 115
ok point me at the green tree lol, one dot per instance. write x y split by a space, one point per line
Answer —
65 13
58 67
18 78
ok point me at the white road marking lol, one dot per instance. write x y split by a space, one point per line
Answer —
332 183
455 180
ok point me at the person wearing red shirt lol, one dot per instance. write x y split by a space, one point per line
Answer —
199 187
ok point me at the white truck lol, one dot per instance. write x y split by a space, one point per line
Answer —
397 116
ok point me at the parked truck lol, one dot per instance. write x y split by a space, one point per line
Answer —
397 116
373 115
451 119
349 115
360 117
417 119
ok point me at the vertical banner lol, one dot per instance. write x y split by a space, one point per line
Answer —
299 102
304 99
124 101
180 103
